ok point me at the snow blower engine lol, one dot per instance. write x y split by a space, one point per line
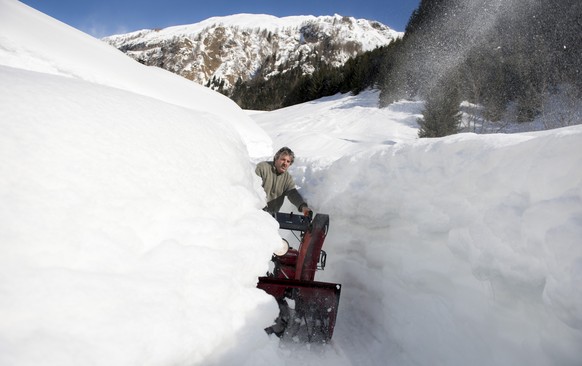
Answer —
307 308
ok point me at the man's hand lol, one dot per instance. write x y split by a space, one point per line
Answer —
305 210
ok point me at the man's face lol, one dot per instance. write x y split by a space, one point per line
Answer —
283 163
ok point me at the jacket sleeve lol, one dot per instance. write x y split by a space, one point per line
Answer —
296 198
293 194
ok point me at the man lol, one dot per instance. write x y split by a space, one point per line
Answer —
278 183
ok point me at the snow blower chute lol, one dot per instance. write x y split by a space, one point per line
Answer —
307 308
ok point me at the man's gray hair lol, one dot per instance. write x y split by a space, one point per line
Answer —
285 151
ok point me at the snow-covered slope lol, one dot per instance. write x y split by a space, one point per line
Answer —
246 45
37 42
131 229
464 250
126 194
117 213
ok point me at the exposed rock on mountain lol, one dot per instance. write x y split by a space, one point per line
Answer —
219 51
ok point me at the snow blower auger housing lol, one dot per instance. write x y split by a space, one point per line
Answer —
307 308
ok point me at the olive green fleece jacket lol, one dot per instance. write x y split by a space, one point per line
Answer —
277 186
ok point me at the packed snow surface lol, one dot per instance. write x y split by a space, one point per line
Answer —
132 233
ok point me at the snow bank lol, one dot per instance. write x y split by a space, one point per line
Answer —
455 251
34 41
131 221
132 229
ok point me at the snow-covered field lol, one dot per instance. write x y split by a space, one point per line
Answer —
131 229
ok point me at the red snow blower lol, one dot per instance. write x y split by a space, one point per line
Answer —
307 308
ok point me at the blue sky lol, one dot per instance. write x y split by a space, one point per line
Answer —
106 17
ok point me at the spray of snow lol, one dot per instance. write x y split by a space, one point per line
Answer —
467 25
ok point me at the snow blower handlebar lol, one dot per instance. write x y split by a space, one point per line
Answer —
291 221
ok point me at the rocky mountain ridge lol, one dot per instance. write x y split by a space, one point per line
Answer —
221 51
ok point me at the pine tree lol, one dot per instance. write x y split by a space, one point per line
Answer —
441 115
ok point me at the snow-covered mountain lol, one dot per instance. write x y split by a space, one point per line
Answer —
224 49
